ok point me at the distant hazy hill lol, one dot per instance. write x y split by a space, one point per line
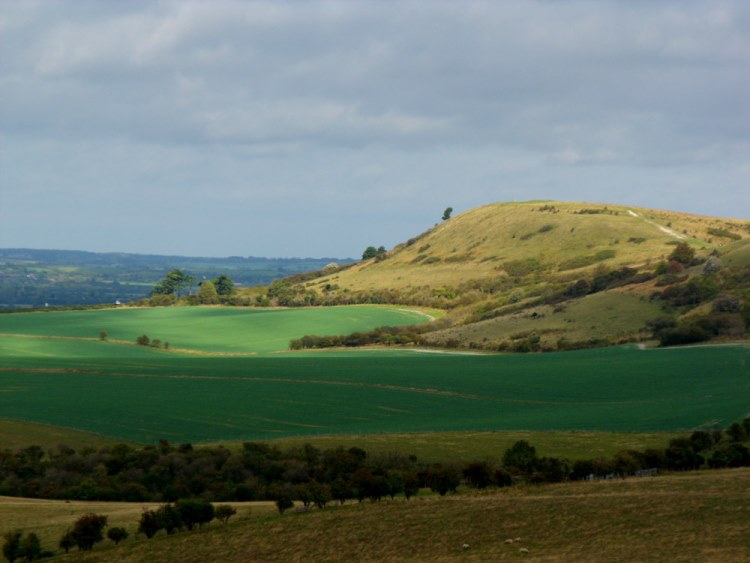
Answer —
508 271
31 278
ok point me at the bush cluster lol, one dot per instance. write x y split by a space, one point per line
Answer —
384 336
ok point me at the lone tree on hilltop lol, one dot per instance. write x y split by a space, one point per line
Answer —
447 213
372 252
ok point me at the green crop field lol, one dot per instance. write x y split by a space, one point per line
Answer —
209 329
142 394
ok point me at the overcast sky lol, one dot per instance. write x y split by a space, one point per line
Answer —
319 128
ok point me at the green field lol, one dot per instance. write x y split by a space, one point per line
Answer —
209 329
141 394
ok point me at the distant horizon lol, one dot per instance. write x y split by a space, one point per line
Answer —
221 257
288 128
358 255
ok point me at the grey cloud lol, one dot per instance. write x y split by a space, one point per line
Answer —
352 105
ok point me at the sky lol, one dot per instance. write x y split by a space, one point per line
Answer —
317 128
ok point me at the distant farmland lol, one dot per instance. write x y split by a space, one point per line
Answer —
142 394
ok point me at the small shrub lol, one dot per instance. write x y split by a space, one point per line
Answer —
143 340
683 253
224 512
726 304
117 534
724 233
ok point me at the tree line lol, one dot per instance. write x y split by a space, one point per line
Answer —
260 471
88 530
188 479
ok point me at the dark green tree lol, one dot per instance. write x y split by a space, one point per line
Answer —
117 534
443 479
12 546
224 285
207 294
736 432
478 474
682 253
224 512
520 458
341 490
447 213
284 502
411 484
174 282
31 547
67 541
370 252
169 518
149 524
88 530
195 511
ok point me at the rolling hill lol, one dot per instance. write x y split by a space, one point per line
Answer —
562 274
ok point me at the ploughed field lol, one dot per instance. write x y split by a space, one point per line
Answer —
54 370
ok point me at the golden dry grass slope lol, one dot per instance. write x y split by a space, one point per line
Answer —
699 516
487 241
495 268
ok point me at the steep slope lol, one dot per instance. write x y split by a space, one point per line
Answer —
512 238
546 275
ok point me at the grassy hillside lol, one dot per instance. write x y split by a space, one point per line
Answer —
700 516
489 241
565 275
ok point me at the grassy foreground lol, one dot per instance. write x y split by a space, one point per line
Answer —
700 516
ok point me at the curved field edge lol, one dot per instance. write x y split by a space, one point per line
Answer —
147 395
697 516
209 329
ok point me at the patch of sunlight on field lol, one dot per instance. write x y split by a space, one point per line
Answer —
210 329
